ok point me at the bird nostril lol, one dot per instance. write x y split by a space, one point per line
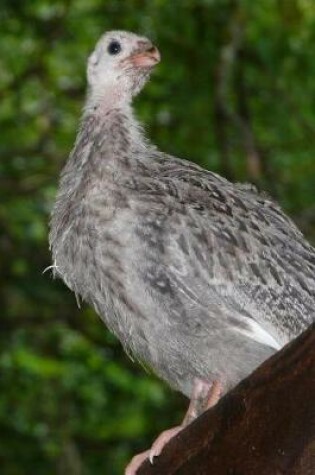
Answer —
152 49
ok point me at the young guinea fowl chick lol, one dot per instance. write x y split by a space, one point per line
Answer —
199 278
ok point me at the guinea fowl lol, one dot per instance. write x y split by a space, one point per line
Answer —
199 278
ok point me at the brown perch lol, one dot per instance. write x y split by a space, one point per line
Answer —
265 426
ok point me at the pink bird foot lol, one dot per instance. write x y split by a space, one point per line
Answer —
205 395
136 462
162 440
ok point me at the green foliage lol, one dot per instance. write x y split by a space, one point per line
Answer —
235 92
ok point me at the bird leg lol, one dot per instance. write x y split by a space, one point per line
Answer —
204 396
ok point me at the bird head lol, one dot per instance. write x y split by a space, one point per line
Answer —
120 65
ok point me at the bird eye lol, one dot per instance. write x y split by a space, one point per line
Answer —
114 47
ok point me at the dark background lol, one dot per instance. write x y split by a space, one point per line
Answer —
235 91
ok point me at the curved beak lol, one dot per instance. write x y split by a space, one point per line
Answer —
148 57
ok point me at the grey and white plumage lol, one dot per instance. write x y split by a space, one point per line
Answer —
198 277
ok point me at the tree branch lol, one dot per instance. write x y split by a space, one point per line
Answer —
265 426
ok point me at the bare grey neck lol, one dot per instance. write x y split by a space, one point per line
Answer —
112 115
107 138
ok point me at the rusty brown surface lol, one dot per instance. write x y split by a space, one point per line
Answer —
265 426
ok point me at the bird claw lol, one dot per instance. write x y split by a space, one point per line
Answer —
161 441
155 450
